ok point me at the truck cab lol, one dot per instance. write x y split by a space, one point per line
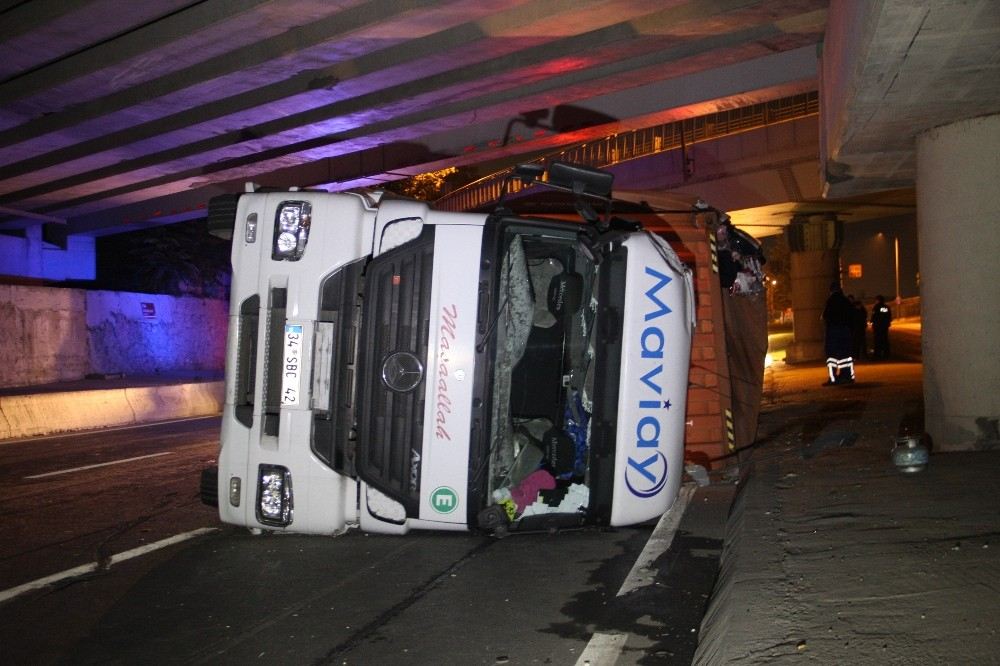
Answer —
394 367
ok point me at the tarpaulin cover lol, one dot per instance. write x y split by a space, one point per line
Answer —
746 347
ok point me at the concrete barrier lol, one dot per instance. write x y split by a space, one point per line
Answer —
4 426
177 401
48 413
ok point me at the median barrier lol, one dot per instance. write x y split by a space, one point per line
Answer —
48 413
4 426
176 401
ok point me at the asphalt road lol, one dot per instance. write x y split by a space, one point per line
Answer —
56 515
232 597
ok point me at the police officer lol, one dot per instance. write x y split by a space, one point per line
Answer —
881 317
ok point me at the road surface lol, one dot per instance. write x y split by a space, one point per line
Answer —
229 597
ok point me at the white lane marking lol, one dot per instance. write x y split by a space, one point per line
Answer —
642 573
162 543
8 594
602 650
105 464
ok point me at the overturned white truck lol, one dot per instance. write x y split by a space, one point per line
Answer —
393 367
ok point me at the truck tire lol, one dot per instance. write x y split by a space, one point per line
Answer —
493 519
210 486
222 215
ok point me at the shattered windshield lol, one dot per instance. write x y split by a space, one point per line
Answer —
543 375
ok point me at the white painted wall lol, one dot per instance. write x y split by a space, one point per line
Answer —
32 258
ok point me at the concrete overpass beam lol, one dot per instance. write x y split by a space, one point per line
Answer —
958 207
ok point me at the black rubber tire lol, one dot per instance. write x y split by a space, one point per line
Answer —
210 486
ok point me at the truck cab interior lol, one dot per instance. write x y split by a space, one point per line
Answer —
543 379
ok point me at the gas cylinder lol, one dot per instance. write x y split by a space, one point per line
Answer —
910 454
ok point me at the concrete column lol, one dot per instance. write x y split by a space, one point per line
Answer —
958 223
814 243
34 259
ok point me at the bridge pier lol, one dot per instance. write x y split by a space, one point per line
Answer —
814 242
958 207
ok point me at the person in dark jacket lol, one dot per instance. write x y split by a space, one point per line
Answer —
837 315
859 328
881 318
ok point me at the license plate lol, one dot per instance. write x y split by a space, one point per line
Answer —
292 364
322 366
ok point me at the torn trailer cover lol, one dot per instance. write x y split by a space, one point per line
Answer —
395 367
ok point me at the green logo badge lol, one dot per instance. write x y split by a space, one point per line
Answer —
444 499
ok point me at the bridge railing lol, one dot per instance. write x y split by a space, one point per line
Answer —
644 142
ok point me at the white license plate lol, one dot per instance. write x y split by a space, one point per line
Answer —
291 364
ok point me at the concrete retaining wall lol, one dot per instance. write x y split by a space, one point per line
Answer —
47 413
50 335
143 333
43 335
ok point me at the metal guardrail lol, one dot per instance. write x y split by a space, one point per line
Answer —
907 307
644 142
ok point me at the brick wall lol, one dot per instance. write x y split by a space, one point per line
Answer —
709 394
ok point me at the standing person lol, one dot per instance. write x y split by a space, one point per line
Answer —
859 326
837 315
881 318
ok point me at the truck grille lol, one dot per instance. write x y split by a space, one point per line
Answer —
396 320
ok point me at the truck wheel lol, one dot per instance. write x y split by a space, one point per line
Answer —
493 519
210 486
222 215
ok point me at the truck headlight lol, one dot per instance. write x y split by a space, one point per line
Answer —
291 230
274 495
